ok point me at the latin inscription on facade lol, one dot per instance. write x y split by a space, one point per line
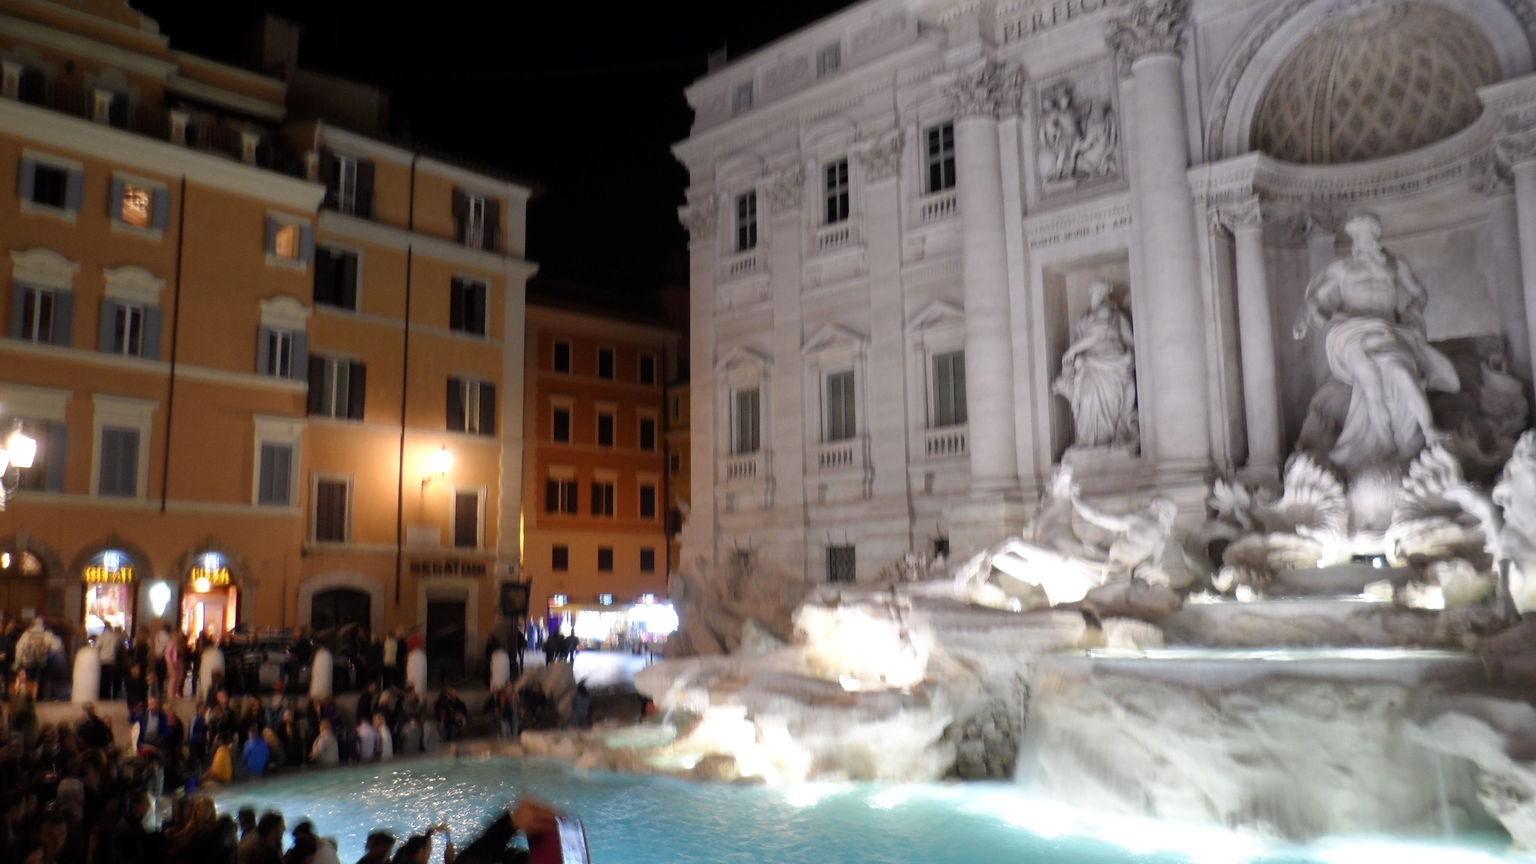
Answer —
1024 21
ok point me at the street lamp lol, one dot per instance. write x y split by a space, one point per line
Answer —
17 453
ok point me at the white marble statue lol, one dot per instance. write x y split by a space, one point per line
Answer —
1078 140
1508 521
1048 563
1371 307
1098 374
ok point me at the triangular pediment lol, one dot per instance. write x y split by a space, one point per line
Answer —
939 313
833 337
741 357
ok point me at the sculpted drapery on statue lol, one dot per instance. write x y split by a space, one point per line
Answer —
1098 374
1371 307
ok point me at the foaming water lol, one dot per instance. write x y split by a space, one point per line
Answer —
654 820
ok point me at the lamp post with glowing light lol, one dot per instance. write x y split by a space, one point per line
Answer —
16 454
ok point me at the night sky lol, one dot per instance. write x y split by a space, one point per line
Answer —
584 99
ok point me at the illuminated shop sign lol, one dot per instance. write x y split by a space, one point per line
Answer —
109 567
211 571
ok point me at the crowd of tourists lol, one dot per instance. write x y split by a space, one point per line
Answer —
73 794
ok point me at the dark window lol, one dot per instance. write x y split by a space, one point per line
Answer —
939 153
748 403
835 192
605 363
840 564
828 59
50 185
331 511
466 519
941 547
279 352
349 184
604 430
471 406
562 424
466 307
33 86
949 388
647 433
605 559
40 315
560 496
560 558
647 368
336 387
647 501
273 486
675 463
476 219
647 560
839 406
119 469
562 356
602 499
746 221
336 278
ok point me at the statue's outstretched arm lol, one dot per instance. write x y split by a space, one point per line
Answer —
1107 521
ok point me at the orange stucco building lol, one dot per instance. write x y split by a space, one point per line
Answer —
597 489
249 346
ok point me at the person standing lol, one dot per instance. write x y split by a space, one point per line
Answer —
109 650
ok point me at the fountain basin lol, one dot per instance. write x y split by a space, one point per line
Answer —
1231 667
658 820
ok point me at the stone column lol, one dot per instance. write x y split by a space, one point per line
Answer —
1497 186
784 413
1256 332
988 347
886 424
698 537
1518 148
1168 306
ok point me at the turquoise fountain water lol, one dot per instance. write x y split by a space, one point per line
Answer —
651 820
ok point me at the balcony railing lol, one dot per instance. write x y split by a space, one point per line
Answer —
936 207
834 237
191 129
744 467
836 455
745 264
945 442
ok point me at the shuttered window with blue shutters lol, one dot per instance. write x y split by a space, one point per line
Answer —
45 184
275 476
41 315
118 468
282 353
136 204
129 329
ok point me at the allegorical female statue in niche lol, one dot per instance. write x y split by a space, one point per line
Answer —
1098 374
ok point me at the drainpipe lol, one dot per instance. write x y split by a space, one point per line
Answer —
170 385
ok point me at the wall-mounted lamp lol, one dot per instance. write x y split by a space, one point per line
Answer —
438 465
159 598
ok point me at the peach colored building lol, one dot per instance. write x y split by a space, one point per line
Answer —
249 346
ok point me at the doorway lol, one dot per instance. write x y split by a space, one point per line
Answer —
339 607
23 585
445 640
211 613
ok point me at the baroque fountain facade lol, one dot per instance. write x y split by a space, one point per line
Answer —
1243 519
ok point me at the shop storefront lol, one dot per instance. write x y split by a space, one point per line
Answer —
111 580
210 601
606 625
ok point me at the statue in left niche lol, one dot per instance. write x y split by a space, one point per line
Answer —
1098 374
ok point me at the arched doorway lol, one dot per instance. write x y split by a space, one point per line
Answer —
23 585
210 601
337 607
111 579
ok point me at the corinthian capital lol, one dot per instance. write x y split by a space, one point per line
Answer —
699 218
985 91
882 160
786 190
1234 217
1151 27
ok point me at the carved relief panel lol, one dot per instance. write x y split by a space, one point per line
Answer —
1075 137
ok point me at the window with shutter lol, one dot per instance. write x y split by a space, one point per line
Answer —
331 511
647 433
647 560
118 469
336 387
466 306
605 559
604 429
602 498
50 185
466 519
277 352
561 425
336 278
345 183
562 356
647 368
605 363
275 475
560 558
34 319
647 501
